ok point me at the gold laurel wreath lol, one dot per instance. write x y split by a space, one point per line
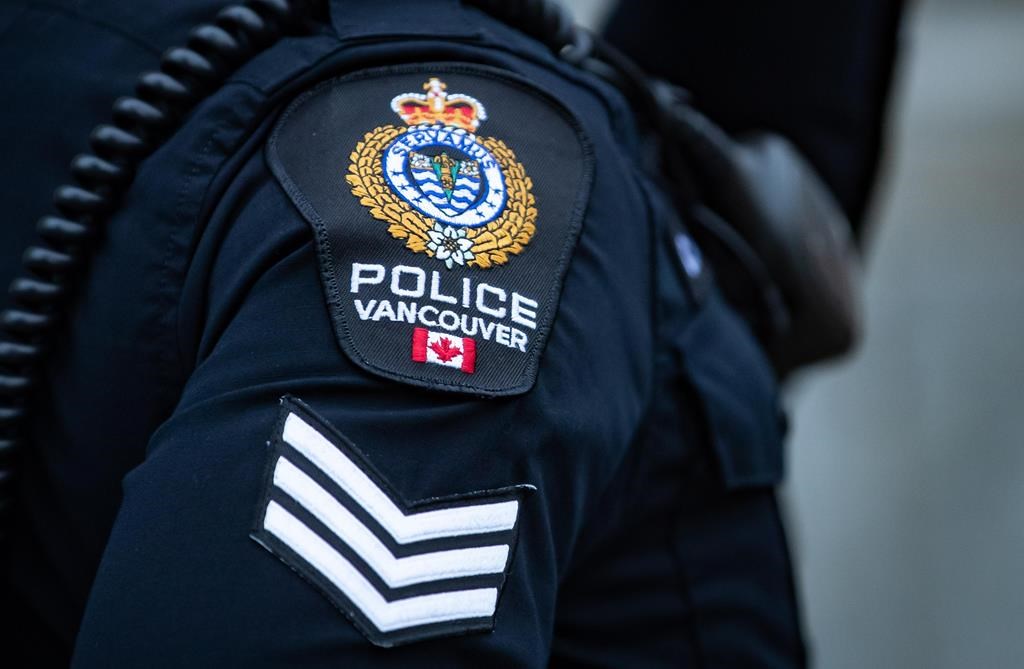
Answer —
492 243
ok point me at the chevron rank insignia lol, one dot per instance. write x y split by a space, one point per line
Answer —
400 572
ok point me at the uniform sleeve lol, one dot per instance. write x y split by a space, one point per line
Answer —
309 503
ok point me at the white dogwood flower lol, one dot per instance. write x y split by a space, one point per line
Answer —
450 245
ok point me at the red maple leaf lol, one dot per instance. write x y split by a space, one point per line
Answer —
444 349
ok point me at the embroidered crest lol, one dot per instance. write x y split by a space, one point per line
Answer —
442 250
459 198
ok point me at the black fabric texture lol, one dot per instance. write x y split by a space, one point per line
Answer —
678 572
438 18
738 394
310 152
731 381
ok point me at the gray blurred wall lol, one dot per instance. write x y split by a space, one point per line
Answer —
906 489
907 462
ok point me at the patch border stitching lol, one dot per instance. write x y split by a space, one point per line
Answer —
328 273
276 446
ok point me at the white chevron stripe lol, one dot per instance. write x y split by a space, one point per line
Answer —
450 522
396 572
386 616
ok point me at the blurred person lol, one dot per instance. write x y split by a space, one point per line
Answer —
385 342
818 73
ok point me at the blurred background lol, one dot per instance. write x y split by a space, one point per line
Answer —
906 463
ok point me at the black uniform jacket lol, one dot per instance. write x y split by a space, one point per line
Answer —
394 355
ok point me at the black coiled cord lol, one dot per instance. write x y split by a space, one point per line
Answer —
139 124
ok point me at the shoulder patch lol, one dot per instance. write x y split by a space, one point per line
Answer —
400 571
446 201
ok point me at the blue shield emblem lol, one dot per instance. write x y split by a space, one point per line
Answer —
446 175
450 182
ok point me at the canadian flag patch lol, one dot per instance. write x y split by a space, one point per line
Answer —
441 348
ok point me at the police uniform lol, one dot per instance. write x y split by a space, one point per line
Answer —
396 354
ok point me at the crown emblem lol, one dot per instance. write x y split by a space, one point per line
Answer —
448 193
438 106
